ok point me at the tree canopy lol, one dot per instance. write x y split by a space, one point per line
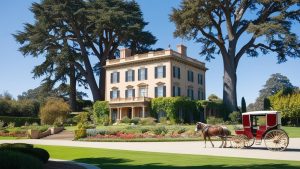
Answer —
272 86
237 28
84 33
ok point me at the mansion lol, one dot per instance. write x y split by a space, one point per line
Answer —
131 81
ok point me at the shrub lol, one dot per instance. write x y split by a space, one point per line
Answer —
10 159
11 125
15 145
172 106
1 124
163 120
82 120
38 153
80 133
135 120
100 112
160 130
235 117
125 120
147 121
54 110
214 120
19 121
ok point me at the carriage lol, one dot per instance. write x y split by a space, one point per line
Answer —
261 126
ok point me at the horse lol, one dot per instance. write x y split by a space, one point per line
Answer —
209 130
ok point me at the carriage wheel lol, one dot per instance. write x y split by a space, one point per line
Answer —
249 142
238 141
276 140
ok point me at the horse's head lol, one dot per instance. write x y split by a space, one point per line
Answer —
199 126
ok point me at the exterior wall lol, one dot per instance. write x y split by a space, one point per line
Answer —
151 80
183 82
137 106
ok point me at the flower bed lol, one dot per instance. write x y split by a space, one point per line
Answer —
140 133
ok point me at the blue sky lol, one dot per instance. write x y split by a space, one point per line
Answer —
15 70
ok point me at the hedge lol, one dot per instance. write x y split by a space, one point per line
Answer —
38 153
19 121
10 159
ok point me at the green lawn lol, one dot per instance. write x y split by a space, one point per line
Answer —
120 159
7 138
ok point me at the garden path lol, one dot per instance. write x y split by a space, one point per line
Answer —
64 135
195 147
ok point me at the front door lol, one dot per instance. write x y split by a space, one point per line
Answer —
129 112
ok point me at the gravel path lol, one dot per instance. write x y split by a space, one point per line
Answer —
196 148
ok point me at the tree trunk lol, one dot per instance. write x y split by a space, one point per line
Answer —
102 82
229 86
72 91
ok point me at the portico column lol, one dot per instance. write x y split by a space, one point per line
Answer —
143 112
132 112
110 111
120 114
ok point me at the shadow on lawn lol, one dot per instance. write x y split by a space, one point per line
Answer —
108 163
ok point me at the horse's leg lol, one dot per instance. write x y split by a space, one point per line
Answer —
211 141
221 146
225 142
204 140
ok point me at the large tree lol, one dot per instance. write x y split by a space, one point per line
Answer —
273 85
93 30
237 28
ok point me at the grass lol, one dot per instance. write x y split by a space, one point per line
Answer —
8 138
121 159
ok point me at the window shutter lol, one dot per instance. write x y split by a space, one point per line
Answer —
155 91
118 77
126 76
178 71
111 77
188 75
179 94
192 76
174 88
146 73
192 94
155 72
164 71
126 93
111 94
133 75
139 74
118 94
201 82
164 90
174 71
133 93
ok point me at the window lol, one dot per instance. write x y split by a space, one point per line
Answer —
143 92
114 94
115 77
160 91
176 72
160 72
129 93
176 91
142 74
129 76
190 76
200 79
190 93
200 94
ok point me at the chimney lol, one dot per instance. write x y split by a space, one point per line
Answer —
182 49
124 53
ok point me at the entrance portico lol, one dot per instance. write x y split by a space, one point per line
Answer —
119 110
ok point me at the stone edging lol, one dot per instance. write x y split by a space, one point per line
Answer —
85 165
